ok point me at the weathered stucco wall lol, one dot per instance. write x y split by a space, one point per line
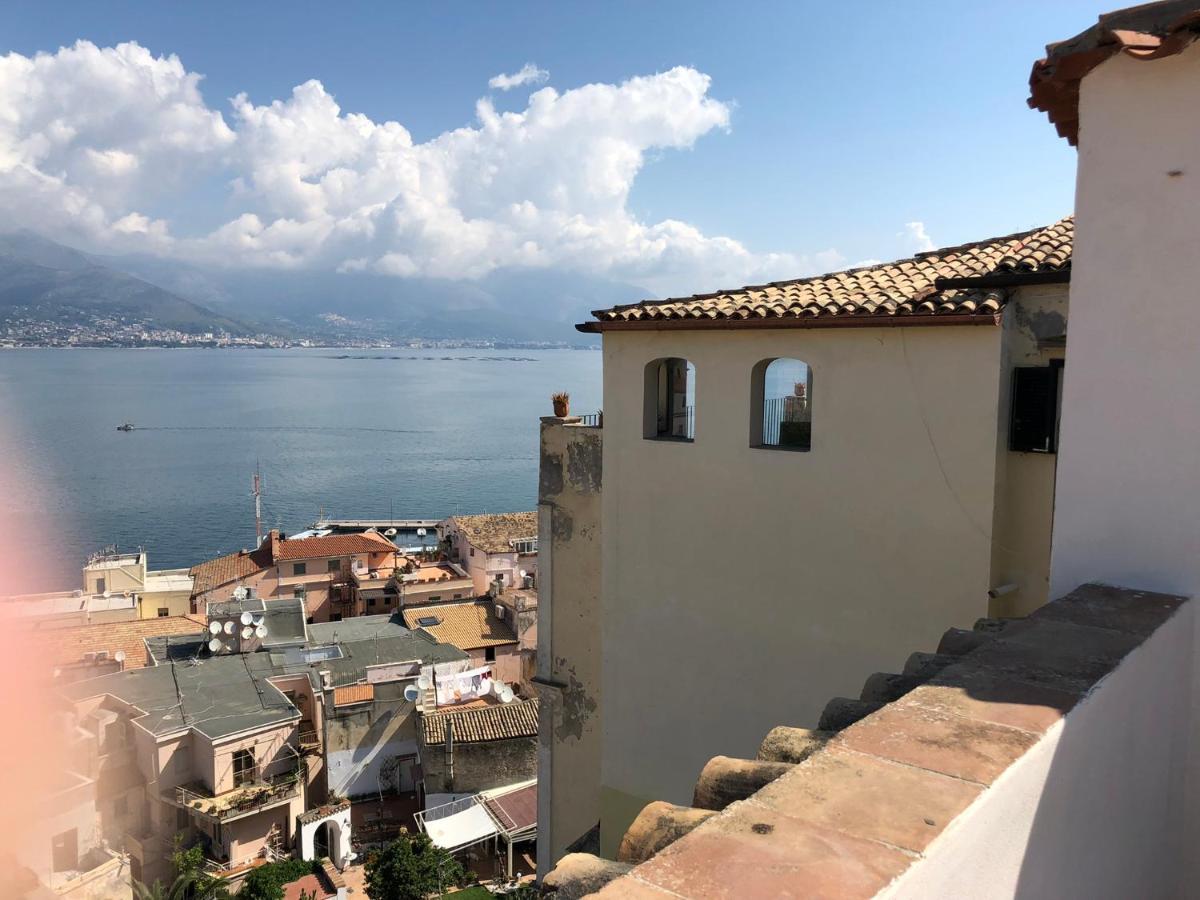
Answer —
363 744
568 632
743 584
1128 495
479 766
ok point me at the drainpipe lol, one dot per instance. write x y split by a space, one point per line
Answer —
449 778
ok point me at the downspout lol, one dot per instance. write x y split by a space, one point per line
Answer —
449 777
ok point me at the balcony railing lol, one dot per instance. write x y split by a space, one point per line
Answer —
242 800
595 420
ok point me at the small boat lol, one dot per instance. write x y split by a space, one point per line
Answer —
125 426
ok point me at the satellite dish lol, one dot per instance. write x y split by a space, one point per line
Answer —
499 687
421 532
240 593
247 618
247 632
214 645
229 627
214 627
258 620
260 632
231 647
507 695
523 573
424 683
411 693
107 594
119 656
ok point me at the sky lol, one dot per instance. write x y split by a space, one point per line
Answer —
679 146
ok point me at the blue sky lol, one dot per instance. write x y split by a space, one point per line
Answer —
845 121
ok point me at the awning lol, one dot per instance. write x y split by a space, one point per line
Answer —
509 812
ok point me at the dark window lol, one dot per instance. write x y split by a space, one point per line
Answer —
370 601
472 551
244 769
781 405
309 620
163 612
64 849
1034 424
435 599
489 654
427 621
99 585
335 617
182 819
669 402
300 569
335 565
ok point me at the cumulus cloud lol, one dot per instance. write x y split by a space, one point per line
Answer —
916 237
95 143
527 74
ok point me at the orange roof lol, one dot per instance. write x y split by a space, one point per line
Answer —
65 646
933 284
229 568
466 624
331 545
353 693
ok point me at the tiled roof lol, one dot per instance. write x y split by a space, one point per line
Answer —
1147 32
467 624
353 693
847 807
878 294
492 532
65 646
213 573
498 722
332 545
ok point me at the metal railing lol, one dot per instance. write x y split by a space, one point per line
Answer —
595 420
252 797
787 422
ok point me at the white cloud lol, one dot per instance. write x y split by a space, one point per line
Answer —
528 74
916 237
95 143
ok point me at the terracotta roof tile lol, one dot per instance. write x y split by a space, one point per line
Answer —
496 722
907 287
332 545
492 532
232 567
1147 32
467 624
353 693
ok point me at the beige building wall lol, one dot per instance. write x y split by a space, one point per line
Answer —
568 650
740 582
1034 322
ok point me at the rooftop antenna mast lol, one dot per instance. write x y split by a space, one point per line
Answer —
258 535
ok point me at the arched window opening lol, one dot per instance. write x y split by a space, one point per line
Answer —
245 771
781 407
670 400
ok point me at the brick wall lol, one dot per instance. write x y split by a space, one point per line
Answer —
480 766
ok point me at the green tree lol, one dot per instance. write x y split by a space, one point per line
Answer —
410 868
191 886
266 882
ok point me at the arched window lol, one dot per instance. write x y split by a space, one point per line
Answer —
669 408
781 405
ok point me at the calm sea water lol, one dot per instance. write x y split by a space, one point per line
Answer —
403 433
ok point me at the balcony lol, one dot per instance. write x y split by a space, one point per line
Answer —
245 800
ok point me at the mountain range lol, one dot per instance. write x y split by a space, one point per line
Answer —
42 281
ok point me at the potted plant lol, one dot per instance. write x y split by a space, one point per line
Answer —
562 404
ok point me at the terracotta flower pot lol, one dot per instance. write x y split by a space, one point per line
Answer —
562 405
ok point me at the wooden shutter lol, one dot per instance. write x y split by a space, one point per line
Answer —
1034 409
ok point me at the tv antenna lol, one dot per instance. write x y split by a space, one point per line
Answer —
257 492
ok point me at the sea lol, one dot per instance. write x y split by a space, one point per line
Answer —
351 434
